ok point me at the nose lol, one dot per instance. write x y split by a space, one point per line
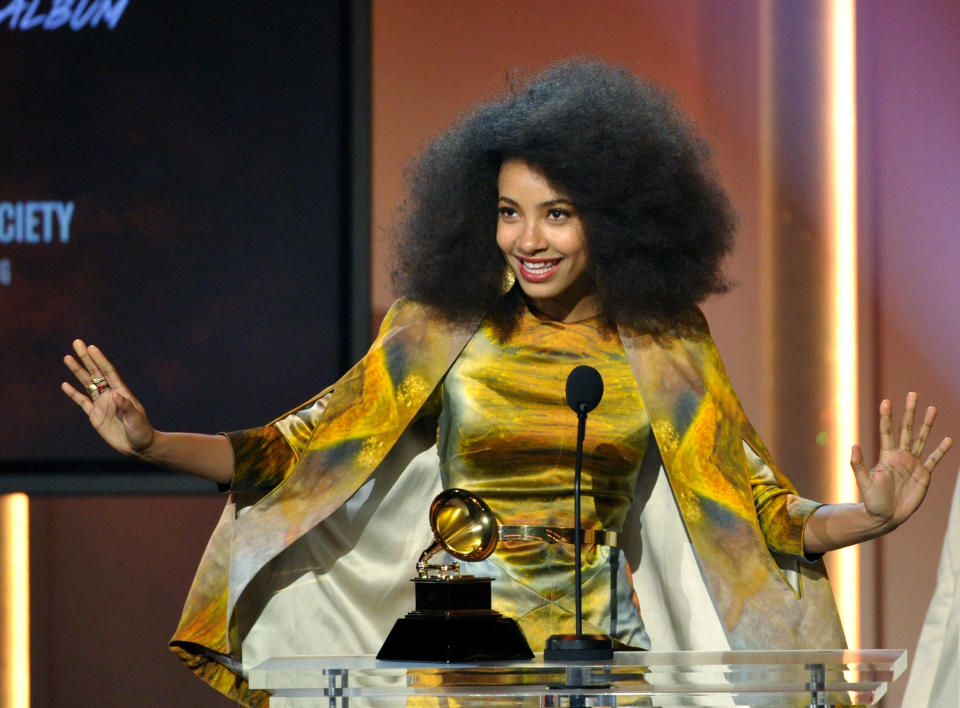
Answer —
531 240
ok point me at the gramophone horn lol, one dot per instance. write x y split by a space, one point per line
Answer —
463 526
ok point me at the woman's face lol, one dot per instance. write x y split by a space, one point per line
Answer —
542 239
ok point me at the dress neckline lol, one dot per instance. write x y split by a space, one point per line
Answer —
529 309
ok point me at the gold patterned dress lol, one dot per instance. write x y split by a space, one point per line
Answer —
506 434
333 494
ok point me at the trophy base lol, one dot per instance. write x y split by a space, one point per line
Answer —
455 636
453 623
578 647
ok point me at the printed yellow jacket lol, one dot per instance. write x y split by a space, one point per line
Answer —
735 514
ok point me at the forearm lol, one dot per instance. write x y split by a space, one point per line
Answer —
835 526
206 456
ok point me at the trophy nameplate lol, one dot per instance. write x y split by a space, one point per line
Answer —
453 620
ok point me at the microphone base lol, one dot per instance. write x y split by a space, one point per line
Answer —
568 648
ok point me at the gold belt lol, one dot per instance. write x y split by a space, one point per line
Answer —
555 534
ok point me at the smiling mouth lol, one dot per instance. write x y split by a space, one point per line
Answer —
538 270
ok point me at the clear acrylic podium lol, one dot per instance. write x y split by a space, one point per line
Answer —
729 678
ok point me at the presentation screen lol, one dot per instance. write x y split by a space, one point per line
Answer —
172 189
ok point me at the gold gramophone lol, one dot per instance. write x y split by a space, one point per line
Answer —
453 621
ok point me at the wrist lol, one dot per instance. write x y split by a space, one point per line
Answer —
147 451
875 524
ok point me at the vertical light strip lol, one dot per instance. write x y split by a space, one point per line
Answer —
14 516
843 225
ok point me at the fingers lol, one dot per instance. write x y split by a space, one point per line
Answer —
85 370
83 354
92 369
907 441
935 456
921 440
104 366
886 425
859 468
906 425
83 376
80 399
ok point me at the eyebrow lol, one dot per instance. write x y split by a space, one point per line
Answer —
552 202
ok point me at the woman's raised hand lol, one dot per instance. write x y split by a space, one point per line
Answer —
896 485
113 410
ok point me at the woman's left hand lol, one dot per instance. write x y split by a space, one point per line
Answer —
897 484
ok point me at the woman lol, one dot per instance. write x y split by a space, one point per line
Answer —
575 221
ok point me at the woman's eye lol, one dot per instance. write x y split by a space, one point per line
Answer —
507 211
557 214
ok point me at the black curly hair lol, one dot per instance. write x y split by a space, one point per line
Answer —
656 220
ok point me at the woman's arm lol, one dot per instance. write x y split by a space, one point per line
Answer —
120 419
890 492
834 526
206 456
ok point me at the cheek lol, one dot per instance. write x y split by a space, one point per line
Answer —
574 245
504 239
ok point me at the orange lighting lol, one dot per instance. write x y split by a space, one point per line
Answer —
768 293
842 128
14 518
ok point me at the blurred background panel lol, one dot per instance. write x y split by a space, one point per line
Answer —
175 186
200 152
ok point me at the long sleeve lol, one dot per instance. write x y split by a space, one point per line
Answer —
312 461
265 456
781 513
735 512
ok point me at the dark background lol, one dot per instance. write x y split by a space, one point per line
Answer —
216 153
207 149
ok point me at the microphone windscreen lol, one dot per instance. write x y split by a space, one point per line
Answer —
584 389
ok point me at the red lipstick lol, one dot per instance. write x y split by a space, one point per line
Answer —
537 270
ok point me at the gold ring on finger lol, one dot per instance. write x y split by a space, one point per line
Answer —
97 380
92 388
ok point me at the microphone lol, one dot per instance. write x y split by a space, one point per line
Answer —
584 391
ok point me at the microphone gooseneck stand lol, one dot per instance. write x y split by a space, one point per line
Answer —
584 391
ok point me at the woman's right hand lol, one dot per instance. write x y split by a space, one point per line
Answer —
112 409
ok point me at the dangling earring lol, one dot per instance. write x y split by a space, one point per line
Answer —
508 280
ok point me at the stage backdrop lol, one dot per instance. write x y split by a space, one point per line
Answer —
174 187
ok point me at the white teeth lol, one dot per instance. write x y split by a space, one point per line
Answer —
540 267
